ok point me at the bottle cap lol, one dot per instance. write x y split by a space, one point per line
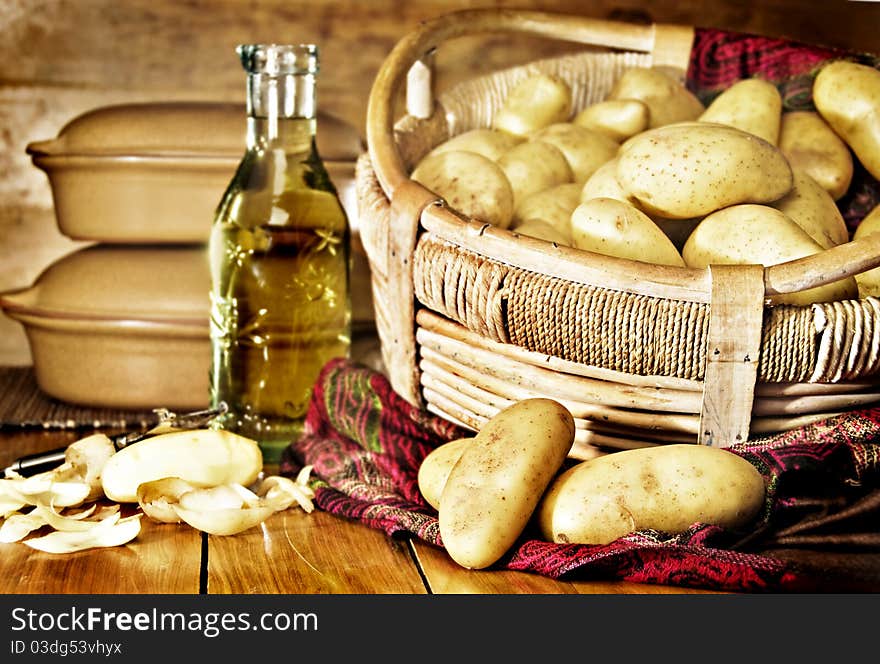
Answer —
279 59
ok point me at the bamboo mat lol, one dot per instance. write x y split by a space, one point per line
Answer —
23 404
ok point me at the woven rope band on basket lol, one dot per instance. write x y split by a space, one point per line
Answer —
635 334
472 318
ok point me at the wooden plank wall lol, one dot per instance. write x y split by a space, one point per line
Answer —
59 58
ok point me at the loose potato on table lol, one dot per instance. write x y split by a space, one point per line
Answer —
533 166
752 104
470 183
492 490
667 488
534 103
435 468
584 149
490 143
809 143
691 169
847 96
760 235
615 228
667 98
616 118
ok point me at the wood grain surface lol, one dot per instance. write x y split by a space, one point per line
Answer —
295 552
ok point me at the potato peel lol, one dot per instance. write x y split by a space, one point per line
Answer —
156 497
283 492
19 525
110 532
40 489
225 521
73 524
226 509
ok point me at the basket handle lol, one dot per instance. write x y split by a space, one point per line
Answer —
670 44
844 260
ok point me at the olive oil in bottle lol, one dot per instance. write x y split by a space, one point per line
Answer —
279 253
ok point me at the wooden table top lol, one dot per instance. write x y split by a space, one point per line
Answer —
291 553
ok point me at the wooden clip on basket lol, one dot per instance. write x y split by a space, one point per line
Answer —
472 318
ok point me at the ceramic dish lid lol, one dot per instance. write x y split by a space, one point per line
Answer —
121 283
189 128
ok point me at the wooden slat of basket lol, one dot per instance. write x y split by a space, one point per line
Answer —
457 363
559 385
445 403
732 354
402 241
470 382
446 369
433 322
436 381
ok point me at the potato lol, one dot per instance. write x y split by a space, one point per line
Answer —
615 228
201 456
490 143
667 488
551 206
584 149
434 469
470 183
667 98
847 96
544 230
492 490
691 169
809 143
534 103
813 209
533 166
603 183
760 235
868 282
752 104
616 118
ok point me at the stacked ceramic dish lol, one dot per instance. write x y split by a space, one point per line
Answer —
124 322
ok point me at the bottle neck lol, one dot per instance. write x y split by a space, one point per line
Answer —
281 111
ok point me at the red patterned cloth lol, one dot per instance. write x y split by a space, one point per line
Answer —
823 489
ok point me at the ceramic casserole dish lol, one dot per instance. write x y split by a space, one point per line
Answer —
120 326
155 172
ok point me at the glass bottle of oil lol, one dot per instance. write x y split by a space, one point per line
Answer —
279 253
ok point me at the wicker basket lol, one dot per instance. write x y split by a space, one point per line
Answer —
472 318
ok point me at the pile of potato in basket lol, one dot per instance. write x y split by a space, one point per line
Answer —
652 174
